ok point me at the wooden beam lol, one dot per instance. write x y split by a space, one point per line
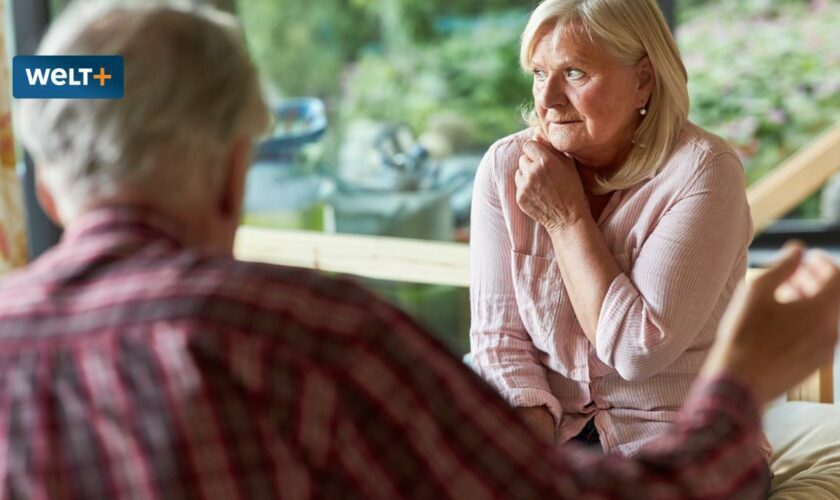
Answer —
798 177
385 258
818 388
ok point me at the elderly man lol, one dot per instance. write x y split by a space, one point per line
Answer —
138 359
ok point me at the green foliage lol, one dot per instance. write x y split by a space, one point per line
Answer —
303 46
418 19
473 73
764 75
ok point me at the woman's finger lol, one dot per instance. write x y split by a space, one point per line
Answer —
540 139
528 155
524 164
536 151
520 180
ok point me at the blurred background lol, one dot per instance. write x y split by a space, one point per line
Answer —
385 107
433 83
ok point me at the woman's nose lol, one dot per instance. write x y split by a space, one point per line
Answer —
553 93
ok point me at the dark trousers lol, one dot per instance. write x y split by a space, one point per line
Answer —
589 436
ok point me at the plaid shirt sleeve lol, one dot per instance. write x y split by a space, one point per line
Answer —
411 420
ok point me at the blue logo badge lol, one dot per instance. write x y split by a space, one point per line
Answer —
68 77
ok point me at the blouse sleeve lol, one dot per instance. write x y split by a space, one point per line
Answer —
651 316
503 353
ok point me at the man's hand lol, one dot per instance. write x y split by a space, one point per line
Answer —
782 326
540 420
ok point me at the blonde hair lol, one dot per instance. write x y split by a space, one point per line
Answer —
629 30
190 88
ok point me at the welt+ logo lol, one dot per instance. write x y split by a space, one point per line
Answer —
68 77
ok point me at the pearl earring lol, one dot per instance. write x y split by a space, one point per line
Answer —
643 111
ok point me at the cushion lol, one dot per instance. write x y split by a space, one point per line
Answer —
806 450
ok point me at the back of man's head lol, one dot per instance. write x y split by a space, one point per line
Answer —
190 89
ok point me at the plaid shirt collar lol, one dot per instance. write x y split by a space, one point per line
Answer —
129 220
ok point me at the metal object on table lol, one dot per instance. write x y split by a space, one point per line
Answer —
297 122
281 191
400 193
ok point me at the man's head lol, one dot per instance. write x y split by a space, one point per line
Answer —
178 141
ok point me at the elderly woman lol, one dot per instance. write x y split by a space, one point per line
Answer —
607 238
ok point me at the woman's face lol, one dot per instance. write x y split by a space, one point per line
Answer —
587 101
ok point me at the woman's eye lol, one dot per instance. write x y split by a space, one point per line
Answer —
539 74
574 74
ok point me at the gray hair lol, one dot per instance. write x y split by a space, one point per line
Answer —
190 89
629 30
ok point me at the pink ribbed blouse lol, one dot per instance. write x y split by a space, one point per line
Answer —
681 240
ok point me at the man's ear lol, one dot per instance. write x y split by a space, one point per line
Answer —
647 80
233 189
46 200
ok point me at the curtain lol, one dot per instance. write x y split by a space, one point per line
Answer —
12 230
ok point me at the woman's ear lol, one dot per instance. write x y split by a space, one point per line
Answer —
646 78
